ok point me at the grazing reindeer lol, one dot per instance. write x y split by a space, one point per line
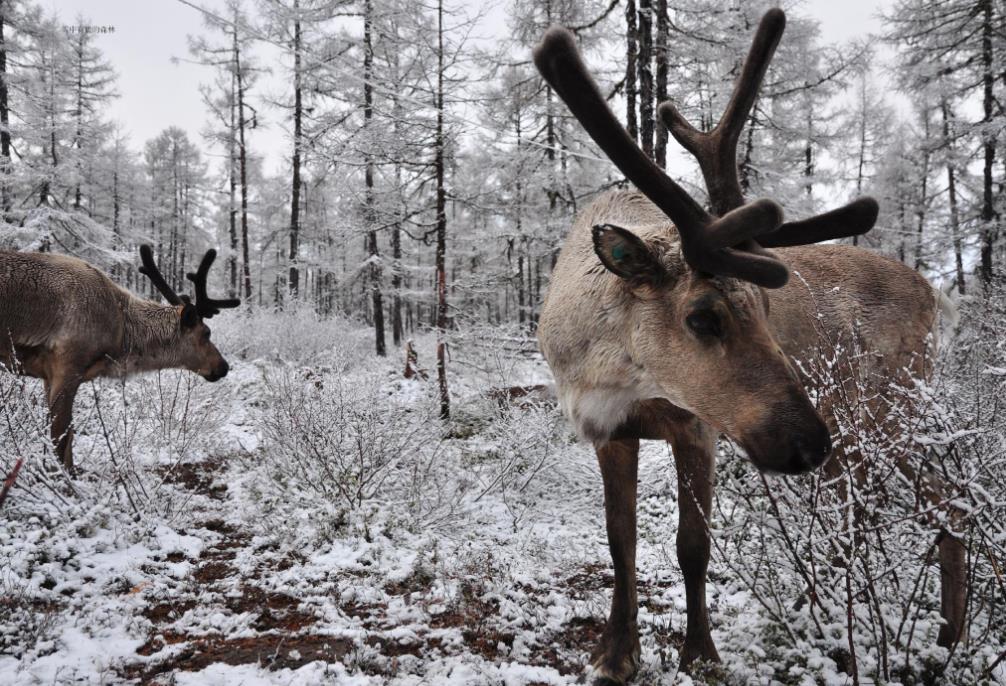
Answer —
65 322
664 321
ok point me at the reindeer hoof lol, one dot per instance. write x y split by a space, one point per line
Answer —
616 658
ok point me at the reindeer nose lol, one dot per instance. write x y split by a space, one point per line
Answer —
812 450
816 450
218 373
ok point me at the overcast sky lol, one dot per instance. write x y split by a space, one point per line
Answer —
156 92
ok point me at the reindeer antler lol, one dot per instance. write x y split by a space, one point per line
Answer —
716 246
205 305
726 245
716 151
150 270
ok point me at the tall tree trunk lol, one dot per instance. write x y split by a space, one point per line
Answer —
294 278
990 220
397 334
920 212
902 229
441 227
955 228
808 154
369 210
232 163
660 55
645 68
5 163
243 172
630 69
79 115
116 203
176 201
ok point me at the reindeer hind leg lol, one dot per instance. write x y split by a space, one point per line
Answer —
61 392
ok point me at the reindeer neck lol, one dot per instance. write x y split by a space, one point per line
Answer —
150 337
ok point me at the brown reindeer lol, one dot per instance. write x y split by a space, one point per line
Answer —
65 322
665 321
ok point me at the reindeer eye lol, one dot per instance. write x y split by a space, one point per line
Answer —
704 323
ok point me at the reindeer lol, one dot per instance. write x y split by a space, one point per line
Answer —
666 321
65 322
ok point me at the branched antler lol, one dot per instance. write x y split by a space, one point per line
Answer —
206 306
724 245
709 244
150 270
716 150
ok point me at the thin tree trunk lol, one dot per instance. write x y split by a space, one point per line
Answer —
369 211
990 229
79 115
630 69
920 213
860 167
396 230
294 284
660 55
232 172
5 162
645 69
952 192
441 228
243 171
808 156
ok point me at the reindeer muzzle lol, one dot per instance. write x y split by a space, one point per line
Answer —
793 449
219 372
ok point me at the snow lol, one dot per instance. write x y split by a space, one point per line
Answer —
480 558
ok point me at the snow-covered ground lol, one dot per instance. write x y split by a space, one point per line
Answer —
310 520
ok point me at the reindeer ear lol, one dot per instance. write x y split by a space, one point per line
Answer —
189 316
626 255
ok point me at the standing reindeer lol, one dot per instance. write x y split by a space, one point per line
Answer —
665 321
65 322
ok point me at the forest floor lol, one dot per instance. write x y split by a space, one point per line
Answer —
229 561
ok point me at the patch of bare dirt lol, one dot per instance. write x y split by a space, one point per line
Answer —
198 477
272 651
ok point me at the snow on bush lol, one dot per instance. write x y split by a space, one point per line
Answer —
297 334
843 562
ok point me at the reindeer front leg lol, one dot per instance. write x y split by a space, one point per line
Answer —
616 657
693 444
61 390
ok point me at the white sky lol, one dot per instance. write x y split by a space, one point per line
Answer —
156 93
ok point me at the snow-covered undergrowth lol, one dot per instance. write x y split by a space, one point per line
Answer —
311 519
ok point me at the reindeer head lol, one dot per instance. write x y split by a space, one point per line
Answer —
698 311
194 350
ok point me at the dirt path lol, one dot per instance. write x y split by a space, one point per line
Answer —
280 631
229 585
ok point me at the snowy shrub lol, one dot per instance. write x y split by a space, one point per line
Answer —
508 457
24 434
488 356
297 334
25 620
345 440
140 431
128 439
844 559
